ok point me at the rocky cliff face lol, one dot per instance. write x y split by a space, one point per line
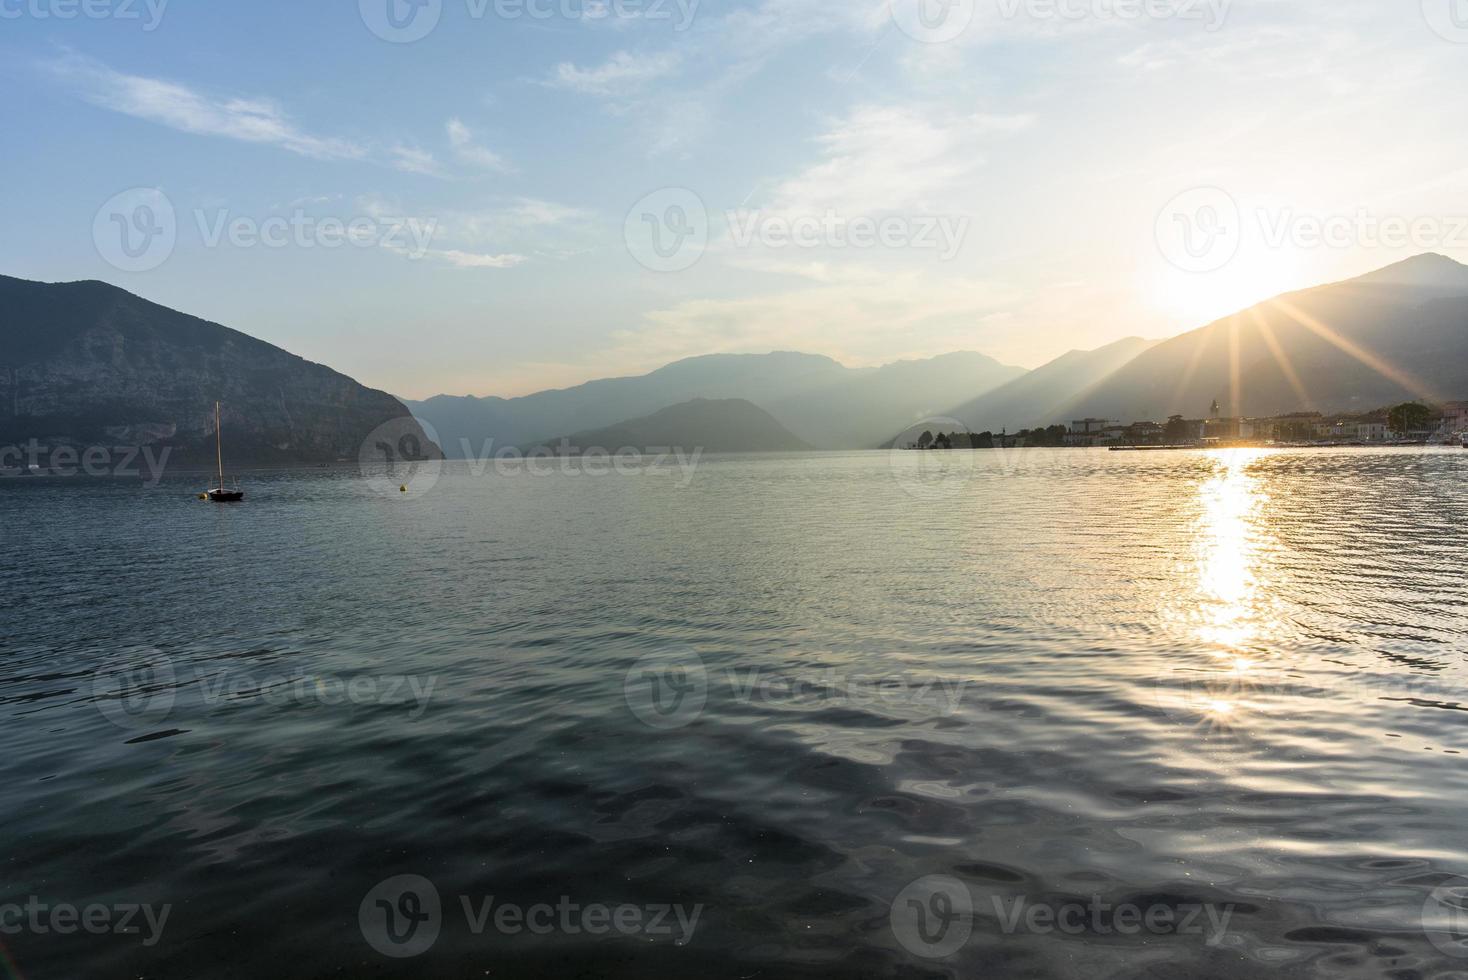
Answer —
88 364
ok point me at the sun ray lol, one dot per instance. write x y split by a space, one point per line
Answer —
1266 331
1366 357
1234 381
1182 384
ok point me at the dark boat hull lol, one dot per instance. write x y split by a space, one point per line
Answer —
226 496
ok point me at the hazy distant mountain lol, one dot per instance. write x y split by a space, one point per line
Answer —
596 404
730 425
824 403
860 412
1394 334
1040 397
85 363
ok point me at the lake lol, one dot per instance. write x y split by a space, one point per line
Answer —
997 714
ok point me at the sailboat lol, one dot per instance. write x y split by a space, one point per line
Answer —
221 495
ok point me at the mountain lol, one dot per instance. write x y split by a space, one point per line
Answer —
461 421
88 364
1395 334
824 403
1038 398
859 412
730 425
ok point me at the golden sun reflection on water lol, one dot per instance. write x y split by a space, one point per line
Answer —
1224 612
1230 610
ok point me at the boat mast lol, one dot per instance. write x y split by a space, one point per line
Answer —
218 447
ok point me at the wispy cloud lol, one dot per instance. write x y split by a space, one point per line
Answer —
883 158
476 260
498 237
250 120
414 160
622 74
468 151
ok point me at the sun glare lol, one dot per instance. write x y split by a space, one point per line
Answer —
1252 276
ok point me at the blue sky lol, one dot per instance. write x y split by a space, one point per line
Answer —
1033 168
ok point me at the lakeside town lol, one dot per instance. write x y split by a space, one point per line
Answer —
1407 424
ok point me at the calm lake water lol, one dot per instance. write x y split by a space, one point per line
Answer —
1027 714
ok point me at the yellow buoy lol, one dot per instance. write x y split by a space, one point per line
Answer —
403 488
203 496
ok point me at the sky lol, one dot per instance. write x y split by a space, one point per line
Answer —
493 197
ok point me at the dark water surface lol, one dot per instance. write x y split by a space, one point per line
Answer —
845 715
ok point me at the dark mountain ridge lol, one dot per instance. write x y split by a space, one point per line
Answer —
89 364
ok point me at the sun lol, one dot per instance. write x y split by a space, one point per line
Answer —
1255 274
